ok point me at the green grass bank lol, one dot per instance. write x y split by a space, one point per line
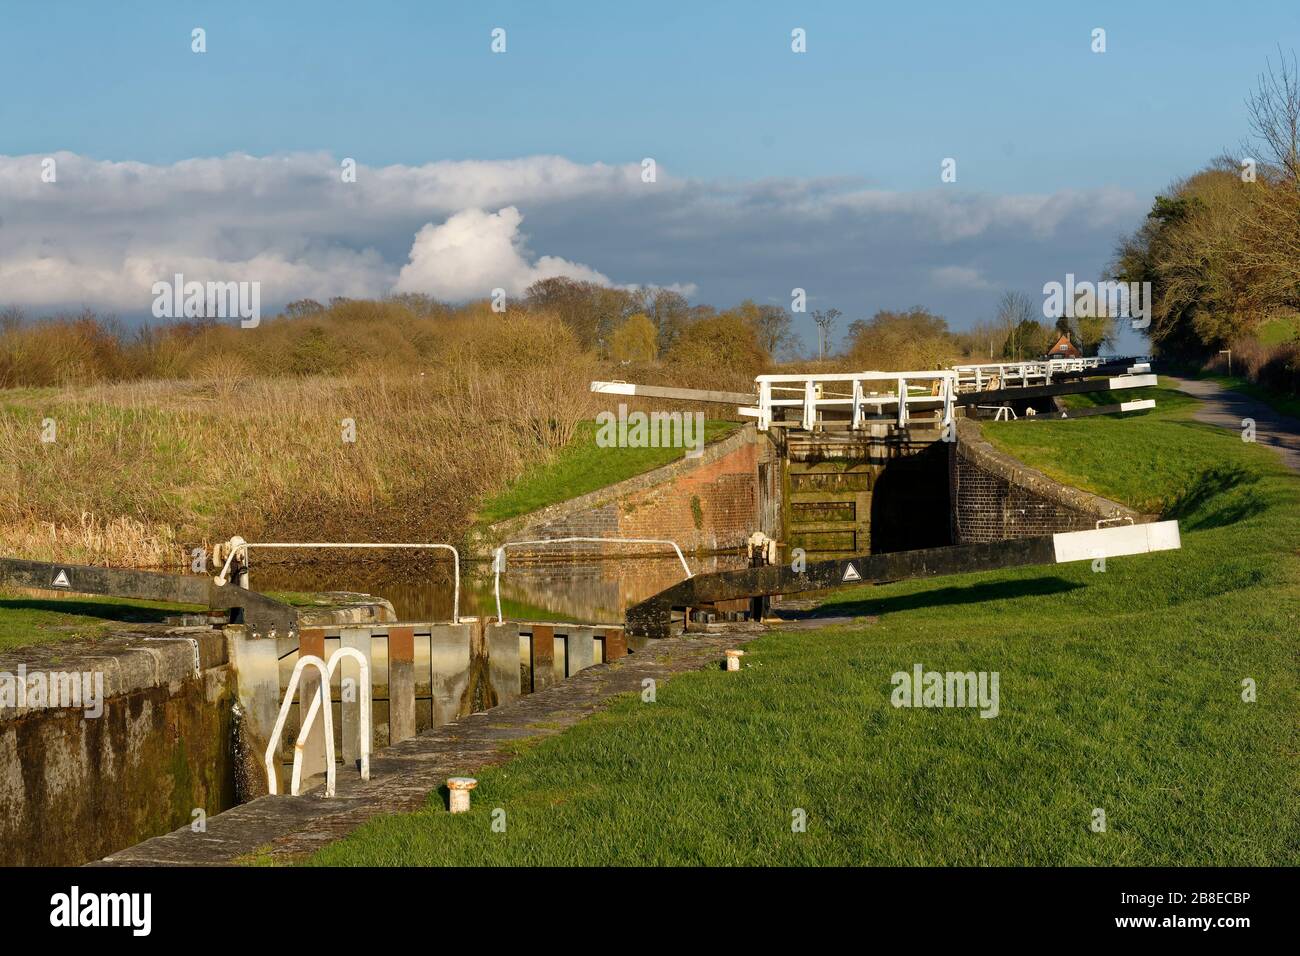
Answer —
1120 690
583 466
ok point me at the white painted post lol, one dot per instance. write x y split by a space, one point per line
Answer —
458 789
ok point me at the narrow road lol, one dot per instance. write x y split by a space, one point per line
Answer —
1219 406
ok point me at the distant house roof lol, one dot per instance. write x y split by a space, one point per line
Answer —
1064 348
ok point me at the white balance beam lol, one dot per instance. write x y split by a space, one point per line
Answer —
1116 542
1131 381
674 394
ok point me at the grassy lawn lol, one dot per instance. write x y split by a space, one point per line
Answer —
581 467
1120 690
1279 330
27 620
1166 397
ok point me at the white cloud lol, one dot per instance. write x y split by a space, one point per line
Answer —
125 286
474 252
105 231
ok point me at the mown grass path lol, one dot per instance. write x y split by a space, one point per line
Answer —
1121 690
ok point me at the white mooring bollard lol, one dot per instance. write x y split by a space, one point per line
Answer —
459 788
733 660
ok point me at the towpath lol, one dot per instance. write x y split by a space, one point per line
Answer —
1221 406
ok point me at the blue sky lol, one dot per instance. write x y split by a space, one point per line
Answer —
712 92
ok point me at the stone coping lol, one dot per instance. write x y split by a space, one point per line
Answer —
142 658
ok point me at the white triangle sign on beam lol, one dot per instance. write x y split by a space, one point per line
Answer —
851 574
61 579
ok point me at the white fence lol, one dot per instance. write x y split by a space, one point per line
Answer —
977 378
867 396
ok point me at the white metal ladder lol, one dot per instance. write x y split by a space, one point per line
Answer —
321 701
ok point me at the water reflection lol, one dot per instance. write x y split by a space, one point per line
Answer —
587 590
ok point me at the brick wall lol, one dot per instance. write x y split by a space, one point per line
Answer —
713 506
997 497
710 503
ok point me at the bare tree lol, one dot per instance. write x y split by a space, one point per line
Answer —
1274 113
825 327
983 339
1015 311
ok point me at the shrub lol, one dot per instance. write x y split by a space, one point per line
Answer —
636 340
719 341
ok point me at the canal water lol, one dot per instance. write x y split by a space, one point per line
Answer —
585 589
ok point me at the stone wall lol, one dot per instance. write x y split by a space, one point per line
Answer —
75 787
705 504
995 497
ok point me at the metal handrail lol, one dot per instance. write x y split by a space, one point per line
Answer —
272 782
499 557
238 544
